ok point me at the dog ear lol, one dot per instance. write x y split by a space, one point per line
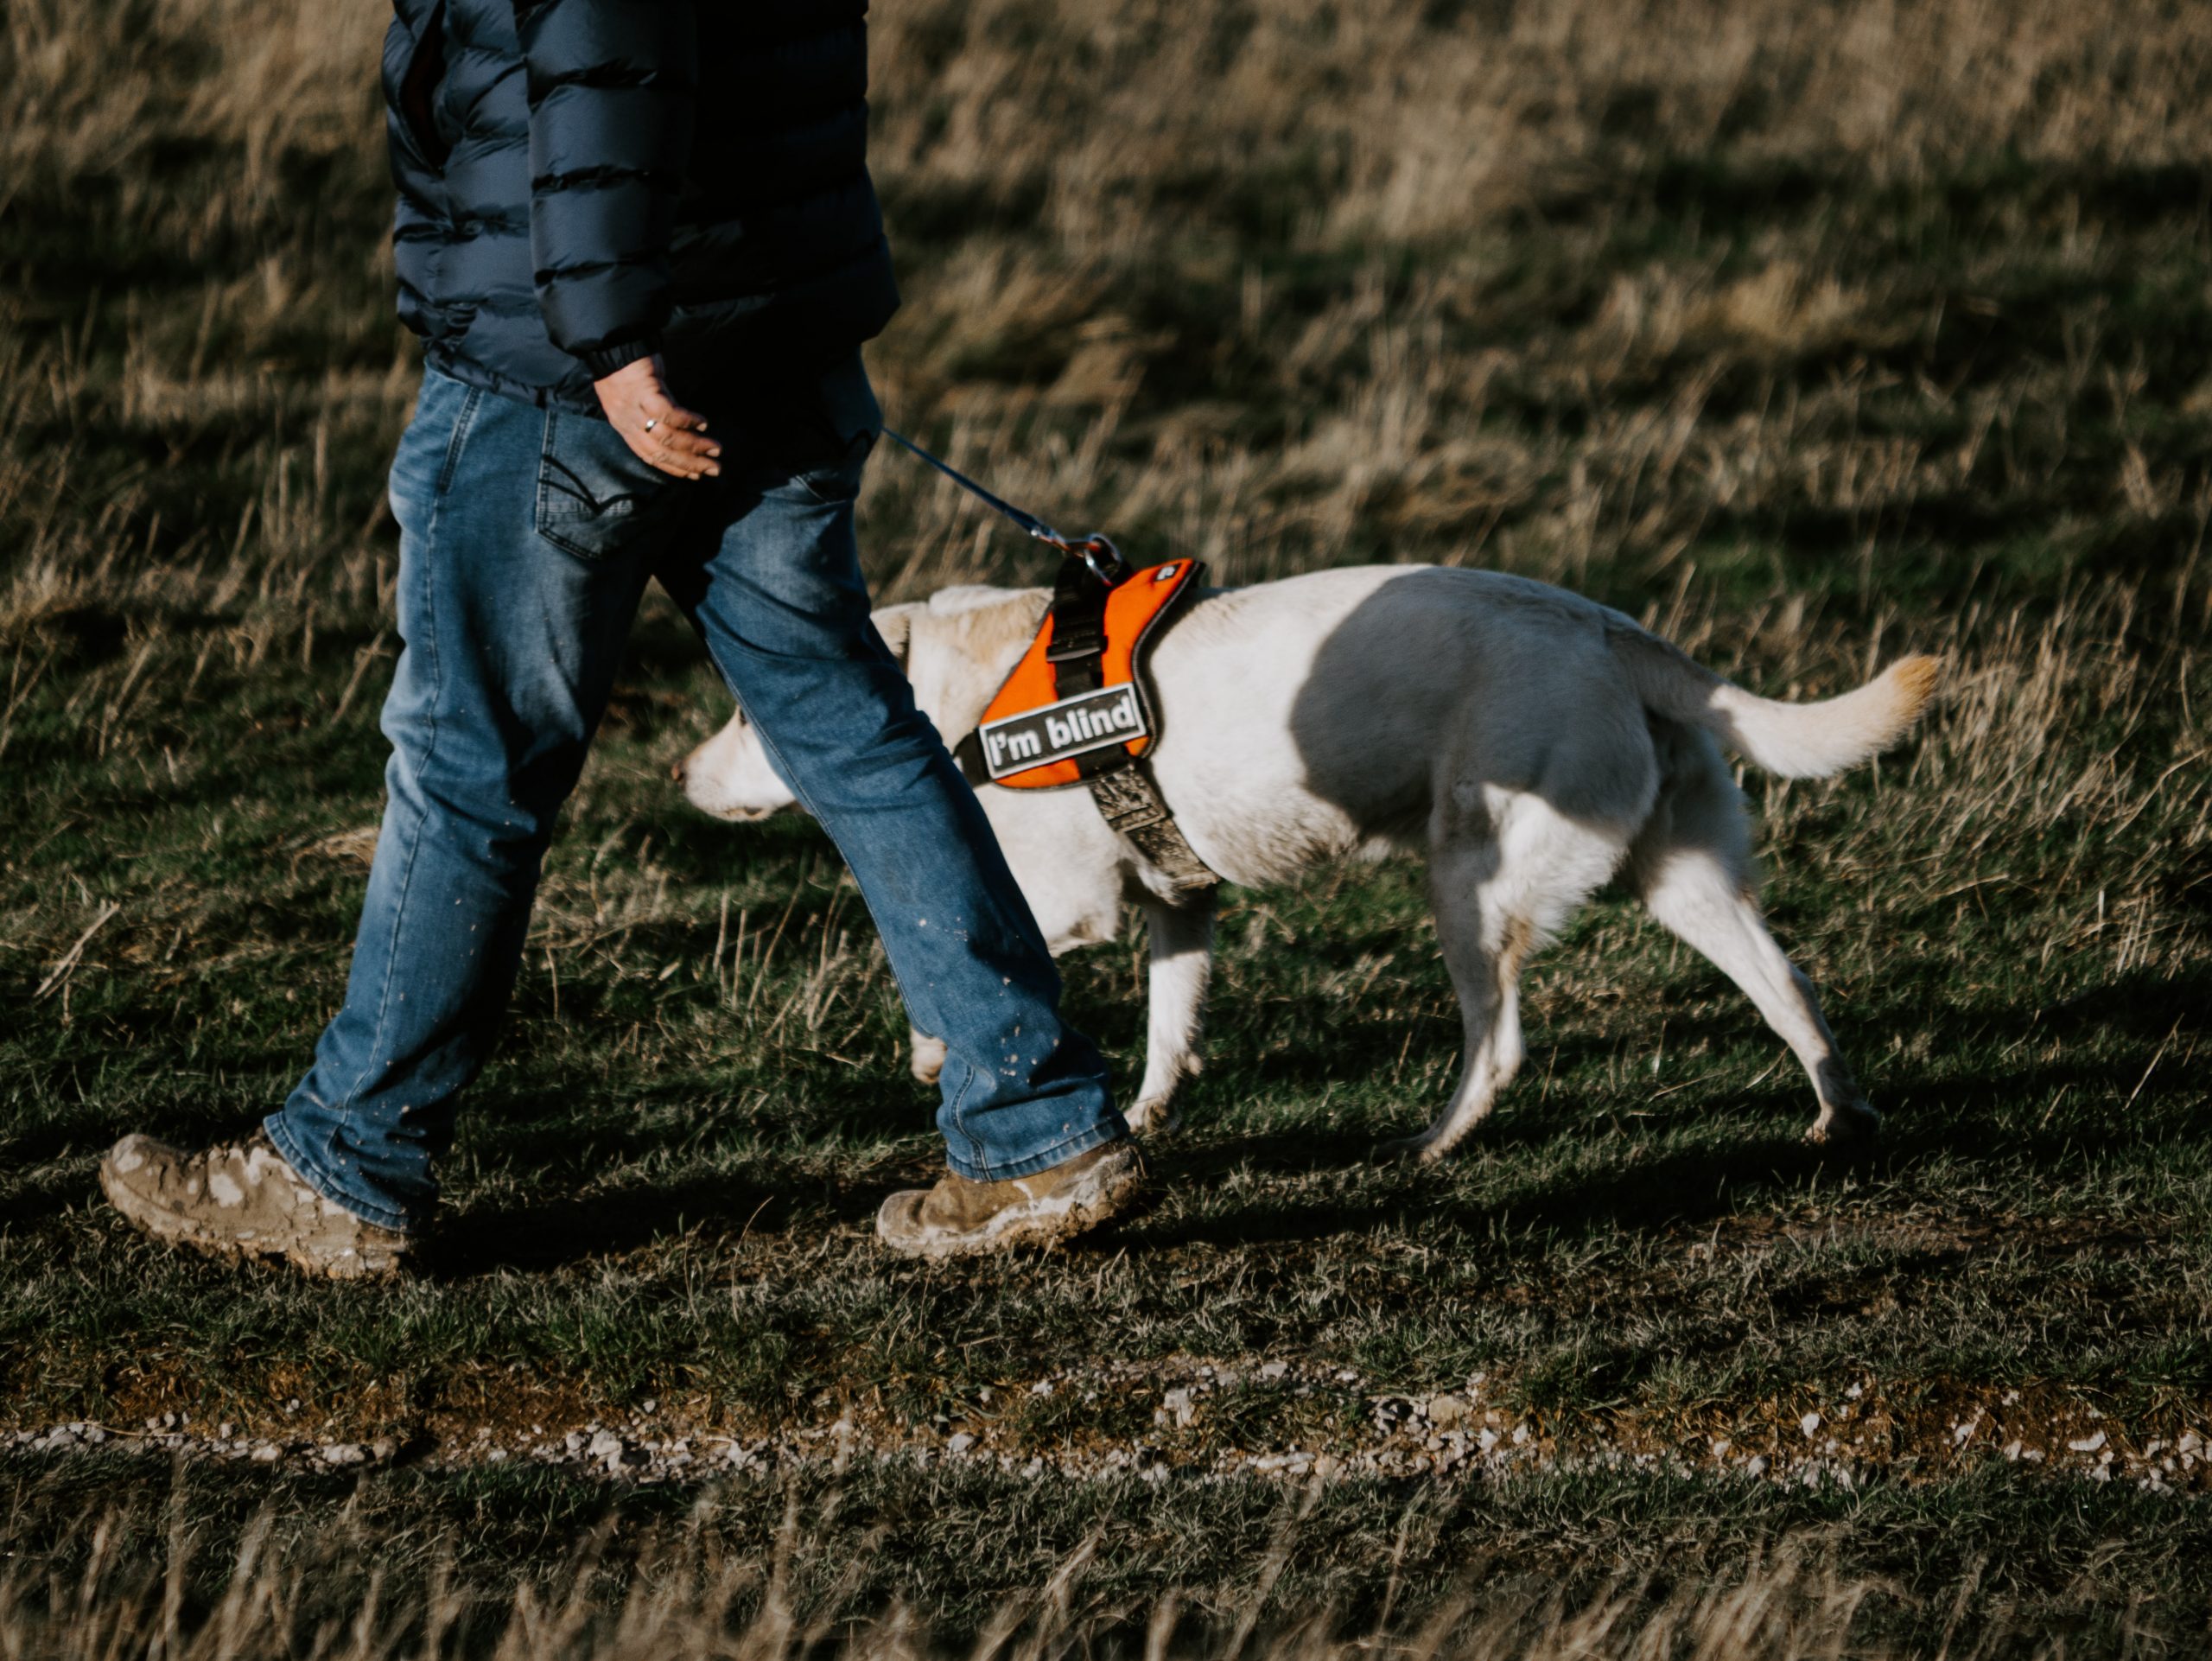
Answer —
896 624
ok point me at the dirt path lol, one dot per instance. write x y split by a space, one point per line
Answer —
1200 1419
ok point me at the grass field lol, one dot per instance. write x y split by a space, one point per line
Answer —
1811 335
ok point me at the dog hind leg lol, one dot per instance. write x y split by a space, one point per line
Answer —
1497 901
1691 866
1181 939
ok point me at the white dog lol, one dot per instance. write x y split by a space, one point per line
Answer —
1534 742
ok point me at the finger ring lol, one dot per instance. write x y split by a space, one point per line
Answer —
654 423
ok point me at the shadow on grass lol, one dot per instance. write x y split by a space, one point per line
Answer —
766 1201
1661 1193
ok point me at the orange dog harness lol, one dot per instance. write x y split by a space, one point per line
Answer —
1078 691
1078 709
1075 709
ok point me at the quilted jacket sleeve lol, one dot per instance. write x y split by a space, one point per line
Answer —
611 86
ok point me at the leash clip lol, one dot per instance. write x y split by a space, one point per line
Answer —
1104 559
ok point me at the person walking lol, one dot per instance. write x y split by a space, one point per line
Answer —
640 241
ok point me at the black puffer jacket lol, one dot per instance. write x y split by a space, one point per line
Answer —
582 182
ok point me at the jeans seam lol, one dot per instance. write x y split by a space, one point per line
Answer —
430 750
956 1111
463 422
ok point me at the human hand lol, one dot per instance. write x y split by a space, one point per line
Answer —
664 434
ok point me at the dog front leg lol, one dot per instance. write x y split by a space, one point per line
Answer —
1181 964
926 1058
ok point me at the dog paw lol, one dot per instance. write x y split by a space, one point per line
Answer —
926 1062
1153 1118
1853 1125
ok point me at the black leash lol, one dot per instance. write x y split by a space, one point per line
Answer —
1097 551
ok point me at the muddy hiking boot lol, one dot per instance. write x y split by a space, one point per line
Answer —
959 1218
242 1200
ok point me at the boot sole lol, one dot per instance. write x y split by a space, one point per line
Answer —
1095 1198
168 1227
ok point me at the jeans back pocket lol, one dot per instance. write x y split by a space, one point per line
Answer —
596 498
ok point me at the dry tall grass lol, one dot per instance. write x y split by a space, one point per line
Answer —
1079 195
696 1602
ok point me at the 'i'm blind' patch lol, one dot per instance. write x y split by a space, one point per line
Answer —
1054 732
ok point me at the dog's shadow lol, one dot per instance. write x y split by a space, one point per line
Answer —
1667 1193
1663 1193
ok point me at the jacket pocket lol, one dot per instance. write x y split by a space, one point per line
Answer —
840 411
838 480
596 499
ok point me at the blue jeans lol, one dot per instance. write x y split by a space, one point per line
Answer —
527 537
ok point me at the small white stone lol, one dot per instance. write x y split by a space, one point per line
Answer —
2087 1444
959 1444
1810 1423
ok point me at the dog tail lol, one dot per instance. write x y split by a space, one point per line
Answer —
1792 740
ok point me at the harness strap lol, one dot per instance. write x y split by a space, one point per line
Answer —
1078 649
1129 799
